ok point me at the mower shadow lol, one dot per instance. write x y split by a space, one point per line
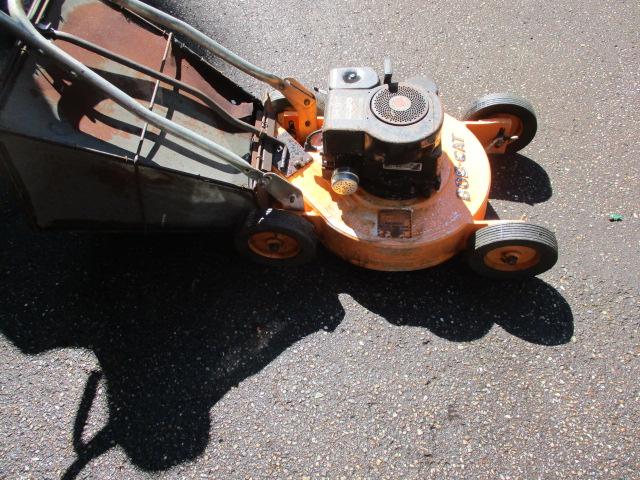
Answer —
176 321
517 178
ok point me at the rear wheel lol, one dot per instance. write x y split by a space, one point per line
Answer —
505 105
513 250
276 237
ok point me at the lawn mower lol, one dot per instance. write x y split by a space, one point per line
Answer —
111 119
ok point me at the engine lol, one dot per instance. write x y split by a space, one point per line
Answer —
384 137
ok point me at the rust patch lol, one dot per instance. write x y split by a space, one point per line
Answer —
107 27
81 106
88 111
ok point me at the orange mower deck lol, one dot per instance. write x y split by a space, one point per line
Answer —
410 229
390 235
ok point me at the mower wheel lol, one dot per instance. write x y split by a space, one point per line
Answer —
507 105
276 238
512 250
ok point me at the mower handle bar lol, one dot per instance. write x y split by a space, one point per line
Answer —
20 26
176 25
300 97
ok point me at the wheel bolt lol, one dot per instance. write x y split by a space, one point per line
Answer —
510 259
274 246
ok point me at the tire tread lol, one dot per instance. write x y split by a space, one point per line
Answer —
525 234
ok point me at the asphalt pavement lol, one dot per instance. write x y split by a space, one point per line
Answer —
170 357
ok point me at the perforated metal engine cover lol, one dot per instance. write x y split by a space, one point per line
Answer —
405 106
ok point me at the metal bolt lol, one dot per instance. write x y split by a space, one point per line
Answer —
351 77
274 246
510 259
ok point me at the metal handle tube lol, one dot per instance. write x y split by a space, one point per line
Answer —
27 32
161 18
11 26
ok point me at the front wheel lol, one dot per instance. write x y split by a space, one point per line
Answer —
512 250
505 105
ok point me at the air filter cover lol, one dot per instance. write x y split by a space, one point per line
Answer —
403 106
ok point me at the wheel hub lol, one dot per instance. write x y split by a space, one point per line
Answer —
274 245
512 258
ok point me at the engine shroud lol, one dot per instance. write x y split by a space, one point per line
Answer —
388 134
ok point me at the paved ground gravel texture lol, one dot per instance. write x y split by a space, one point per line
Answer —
133 357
